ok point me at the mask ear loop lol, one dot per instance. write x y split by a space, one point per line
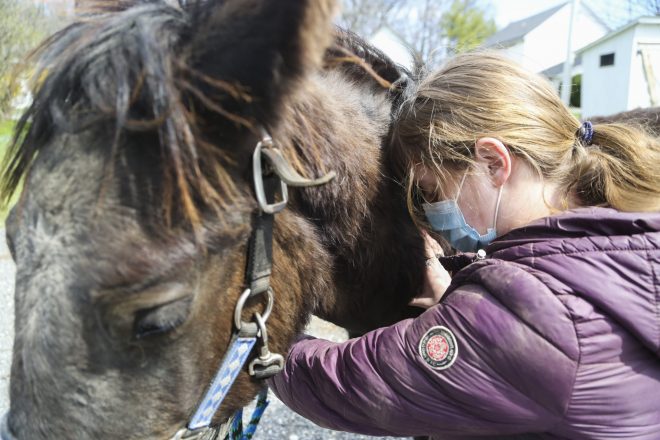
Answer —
497 207
460 186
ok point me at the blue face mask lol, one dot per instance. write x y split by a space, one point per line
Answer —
446 218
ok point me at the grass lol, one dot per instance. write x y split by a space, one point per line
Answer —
6 129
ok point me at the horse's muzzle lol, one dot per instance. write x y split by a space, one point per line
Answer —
5 433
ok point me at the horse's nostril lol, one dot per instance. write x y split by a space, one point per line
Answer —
5 433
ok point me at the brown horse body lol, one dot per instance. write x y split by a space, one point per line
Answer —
130 237
649 118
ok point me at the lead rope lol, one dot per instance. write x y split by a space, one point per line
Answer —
236 431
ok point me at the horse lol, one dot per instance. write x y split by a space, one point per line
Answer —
647 118
155 225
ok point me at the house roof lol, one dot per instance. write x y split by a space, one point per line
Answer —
640 20
558 69
515 31
518 29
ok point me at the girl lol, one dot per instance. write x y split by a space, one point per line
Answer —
552 330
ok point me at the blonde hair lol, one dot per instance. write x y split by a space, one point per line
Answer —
482 94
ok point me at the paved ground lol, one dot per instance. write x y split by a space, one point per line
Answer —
278 422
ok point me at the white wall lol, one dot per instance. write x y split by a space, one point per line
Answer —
605 89
647 37
545 46
515 52
638 92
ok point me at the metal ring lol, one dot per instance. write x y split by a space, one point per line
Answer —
258 178
238 311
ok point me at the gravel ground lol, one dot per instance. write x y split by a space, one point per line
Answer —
6 319
278 423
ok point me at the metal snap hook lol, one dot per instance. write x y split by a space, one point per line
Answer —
267 364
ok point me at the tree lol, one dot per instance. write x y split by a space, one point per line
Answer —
648 6
438 29
365 17
423 31
433 29
465 26
22 26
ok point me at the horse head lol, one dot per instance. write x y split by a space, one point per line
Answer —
141 200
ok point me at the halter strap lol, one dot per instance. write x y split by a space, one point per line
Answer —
246 334
235 358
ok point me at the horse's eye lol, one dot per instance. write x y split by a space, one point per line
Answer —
161 319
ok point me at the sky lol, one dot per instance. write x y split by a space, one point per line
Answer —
506 11
615 12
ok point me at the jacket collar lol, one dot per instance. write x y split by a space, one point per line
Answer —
582 222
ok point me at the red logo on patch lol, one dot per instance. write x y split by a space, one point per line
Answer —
438 347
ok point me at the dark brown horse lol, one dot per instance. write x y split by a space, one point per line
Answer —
131 235
649 118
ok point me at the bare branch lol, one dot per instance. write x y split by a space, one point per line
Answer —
365 17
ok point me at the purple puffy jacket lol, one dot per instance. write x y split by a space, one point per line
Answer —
555 335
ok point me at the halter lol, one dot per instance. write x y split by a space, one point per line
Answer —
245 335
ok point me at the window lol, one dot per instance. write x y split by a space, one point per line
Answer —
607 60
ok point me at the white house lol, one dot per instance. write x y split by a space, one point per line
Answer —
555 73
621 71
540 41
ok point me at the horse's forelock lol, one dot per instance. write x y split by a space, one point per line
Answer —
120 74
127 73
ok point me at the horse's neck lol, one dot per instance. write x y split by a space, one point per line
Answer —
360 216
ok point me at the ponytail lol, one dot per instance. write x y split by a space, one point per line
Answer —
619 169
484 94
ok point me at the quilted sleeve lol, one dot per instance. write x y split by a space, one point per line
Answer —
469 366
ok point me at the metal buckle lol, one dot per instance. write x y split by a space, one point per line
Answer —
257 174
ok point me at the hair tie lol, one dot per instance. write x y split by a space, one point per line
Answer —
586 132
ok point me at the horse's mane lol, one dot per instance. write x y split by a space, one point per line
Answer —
648 118
122 75
382 68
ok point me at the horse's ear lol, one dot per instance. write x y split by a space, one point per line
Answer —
260 47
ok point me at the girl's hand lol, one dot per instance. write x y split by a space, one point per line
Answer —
436 279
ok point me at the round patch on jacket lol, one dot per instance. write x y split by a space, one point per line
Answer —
438 347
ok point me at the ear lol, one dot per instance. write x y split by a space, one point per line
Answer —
494 158
260 48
